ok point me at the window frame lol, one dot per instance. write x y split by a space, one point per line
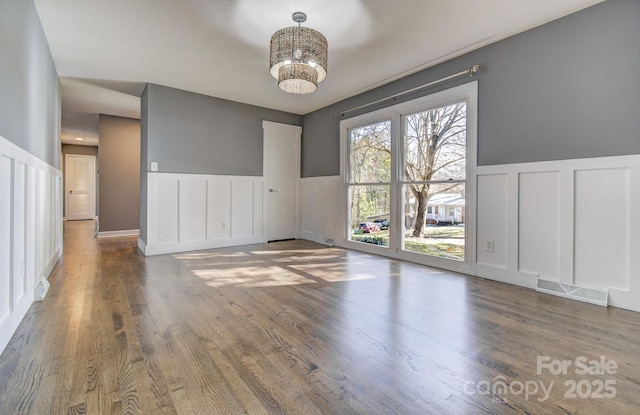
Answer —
468 93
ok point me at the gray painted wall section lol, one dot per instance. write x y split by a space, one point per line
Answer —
29 88
193 133
565 90
119 178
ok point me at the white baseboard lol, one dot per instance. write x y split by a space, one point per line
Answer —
41 289
142 246
519 278
314 237
171 248
629 300
117 234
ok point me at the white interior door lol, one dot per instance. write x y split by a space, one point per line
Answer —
282 173
80 186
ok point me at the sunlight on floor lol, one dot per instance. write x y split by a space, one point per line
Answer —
334 272
333 251
274 267
251 277
208 255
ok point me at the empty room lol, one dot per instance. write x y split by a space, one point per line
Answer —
319 207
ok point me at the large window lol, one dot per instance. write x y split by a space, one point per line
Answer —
407 175
370 183
434 169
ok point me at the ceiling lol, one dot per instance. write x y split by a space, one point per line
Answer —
105 51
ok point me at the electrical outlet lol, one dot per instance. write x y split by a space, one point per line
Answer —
489 245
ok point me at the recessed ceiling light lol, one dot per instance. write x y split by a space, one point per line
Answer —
79 139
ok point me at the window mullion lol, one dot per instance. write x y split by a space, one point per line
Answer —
396 176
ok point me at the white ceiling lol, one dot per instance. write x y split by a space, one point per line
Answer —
106 50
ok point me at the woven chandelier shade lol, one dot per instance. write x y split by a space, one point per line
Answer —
298 58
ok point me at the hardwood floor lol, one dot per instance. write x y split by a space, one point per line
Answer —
299 328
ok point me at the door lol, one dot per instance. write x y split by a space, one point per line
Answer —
281 173
80 186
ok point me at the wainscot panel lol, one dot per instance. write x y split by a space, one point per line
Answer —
197 211
320 207
30 232
574 222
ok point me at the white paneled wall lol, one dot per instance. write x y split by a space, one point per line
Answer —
538 224
30 231
493 227
197 211
571 221
602 227
320 207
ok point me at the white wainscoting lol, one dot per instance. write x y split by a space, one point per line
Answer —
320 207
196 211
570 221
30 231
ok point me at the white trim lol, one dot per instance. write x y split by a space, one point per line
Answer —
116 234
142 246
629 300
150 250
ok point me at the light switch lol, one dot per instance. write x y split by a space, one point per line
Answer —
154 166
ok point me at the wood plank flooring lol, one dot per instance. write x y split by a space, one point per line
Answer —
299 328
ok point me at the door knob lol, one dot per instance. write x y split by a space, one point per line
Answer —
272 190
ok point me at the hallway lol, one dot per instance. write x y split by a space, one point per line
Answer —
300 328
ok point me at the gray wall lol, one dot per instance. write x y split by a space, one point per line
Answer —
565 90
29 89
186 132
119 178
83 151
193 133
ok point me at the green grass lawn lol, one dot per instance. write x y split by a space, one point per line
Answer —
437 241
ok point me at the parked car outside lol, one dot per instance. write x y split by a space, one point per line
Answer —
383 224
368 227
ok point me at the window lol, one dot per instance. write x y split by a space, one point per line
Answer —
409 167
434 168
369 182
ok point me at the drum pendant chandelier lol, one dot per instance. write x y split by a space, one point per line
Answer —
298 57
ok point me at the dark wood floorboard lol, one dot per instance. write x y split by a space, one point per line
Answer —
298 328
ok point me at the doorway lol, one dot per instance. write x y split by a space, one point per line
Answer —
80 187
281 177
